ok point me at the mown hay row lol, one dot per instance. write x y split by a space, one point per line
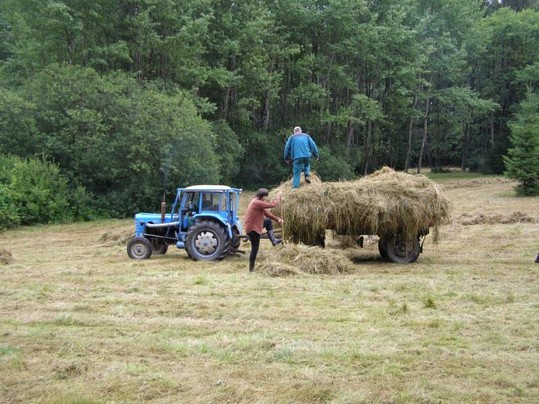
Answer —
476 182
468 219
383 203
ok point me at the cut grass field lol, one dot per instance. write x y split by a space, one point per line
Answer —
80 322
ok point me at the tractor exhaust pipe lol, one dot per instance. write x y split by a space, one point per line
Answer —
163 209
157 225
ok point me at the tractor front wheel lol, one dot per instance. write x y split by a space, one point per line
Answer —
139 248
399 248
159 249
206 241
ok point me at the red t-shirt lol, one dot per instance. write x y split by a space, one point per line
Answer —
254 217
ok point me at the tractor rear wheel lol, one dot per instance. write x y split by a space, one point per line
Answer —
399 248
139 248
206 241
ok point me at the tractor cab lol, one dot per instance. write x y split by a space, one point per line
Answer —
207 201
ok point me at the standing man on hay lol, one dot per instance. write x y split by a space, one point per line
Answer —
299 149
257 218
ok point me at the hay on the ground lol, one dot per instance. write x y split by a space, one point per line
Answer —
114 237
467 219
5 257
298 259
384 203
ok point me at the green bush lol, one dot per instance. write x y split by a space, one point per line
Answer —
34 191
123 141
262 163
229 151
8 214
81 204
39 191
330 167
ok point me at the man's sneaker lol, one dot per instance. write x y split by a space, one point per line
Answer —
308 179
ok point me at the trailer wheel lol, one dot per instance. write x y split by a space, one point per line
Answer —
139 248
206 241
400 249
382 247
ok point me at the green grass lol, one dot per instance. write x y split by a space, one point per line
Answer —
455 174
82 323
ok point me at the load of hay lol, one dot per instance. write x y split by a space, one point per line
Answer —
383 203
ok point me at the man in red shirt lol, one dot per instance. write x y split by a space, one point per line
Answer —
259 217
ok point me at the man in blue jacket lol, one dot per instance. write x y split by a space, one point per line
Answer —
299 149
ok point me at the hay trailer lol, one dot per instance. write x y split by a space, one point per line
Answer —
399 208
204 221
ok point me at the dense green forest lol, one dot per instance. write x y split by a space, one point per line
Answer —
121 101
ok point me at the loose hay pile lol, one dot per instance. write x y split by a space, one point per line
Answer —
298 259
5 257
383 203
118 236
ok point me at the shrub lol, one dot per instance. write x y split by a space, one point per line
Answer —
34 191
38 191
330 167
8 213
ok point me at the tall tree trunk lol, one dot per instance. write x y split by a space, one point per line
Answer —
425 132
350 135
410 130
225 104
71 48
465 148
491 130
267 101
266 112
409 150
329 129
230 92
138 66
367 149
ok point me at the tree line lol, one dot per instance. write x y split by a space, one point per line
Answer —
129 99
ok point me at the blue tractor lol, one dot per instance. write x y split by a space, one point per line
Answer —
204 221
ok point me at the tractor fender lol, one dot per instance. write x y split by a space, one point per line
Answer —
238 226
216 218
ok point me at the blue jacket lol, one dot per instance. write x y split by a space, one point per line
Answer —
300 145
